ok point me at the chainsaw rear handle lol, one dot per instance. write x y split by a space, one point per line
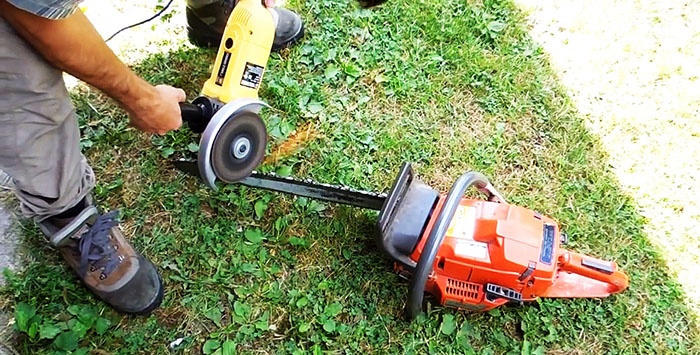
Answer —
596 269
424 267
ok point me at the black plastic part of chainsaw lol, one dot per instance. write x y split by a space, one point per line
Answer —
494 292
404 216
605 268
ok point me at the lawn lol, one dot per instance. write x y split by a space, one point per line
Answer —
448 85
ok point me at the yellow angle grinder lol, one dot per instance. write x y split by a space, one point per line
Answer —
234 137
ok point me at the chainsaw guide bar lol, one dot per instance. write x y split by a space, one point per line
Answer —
306 188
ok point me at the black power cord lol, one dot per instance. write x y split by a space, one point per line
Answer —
142 22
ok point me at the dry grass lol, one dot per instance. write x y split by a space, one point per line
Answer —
295 142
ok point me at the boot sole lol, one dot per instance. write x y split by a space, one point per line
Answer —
156 301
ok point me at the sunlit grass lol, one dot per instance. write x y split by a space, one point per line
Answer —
635 86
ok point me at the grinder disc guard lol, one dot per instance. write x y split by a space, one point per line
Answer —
239 147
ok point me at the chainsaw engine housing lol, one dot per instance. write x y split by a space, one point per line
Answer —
493 253
476 254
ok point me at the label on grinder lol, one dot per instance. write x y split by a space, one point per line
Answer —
252 75
225 59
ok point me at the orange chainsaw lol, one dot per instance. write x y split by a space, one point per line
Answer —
464 253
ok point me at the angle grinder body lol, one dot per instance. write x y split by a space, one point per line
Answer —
478 254
234 137
243 53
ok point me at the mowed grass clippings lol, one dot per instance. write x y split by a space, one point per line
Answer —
450 86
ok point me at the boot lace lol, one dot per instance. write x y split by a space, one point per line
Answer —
95 248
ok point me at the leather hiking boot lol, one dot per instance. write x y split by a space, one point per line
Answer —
206 21
95 248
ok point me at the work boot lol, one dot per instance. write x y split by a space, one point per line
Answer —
95 248
206 21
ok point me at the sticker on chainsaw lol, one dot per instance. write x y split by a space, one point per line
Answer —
225 60
462 228
547 253
471 249
251 75
462 225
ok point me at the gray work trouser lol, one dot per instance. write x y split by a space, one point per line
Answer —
39 135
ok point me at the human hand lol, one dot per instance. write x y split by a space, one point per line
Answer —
269 3
158 112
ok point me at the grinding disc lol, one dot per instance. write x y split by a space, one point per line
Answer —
238 147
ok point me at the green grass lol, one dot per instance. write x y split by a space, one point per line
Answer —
450 86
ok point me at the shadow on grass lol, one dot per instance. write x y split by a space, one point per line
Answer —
270 273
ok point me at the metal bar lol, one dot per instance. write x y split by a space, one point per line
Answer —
306 188
311 189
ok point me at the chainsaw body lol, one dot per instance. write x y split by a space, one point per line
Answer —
476 254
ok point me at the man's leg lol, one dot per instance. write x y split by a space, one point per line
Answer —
40 149
206 20
39 136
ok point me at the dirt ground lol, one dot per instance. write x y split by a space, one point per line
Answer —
632 69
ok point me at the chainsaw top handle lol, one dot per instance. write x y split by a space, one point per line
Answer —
425 263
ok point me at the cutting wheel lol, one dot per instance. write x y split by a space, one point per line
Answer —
238 147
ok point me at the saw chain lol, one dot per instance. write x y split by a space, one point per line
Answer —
302 187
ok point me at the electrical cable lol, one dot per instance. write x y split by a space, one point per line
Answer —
142 22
